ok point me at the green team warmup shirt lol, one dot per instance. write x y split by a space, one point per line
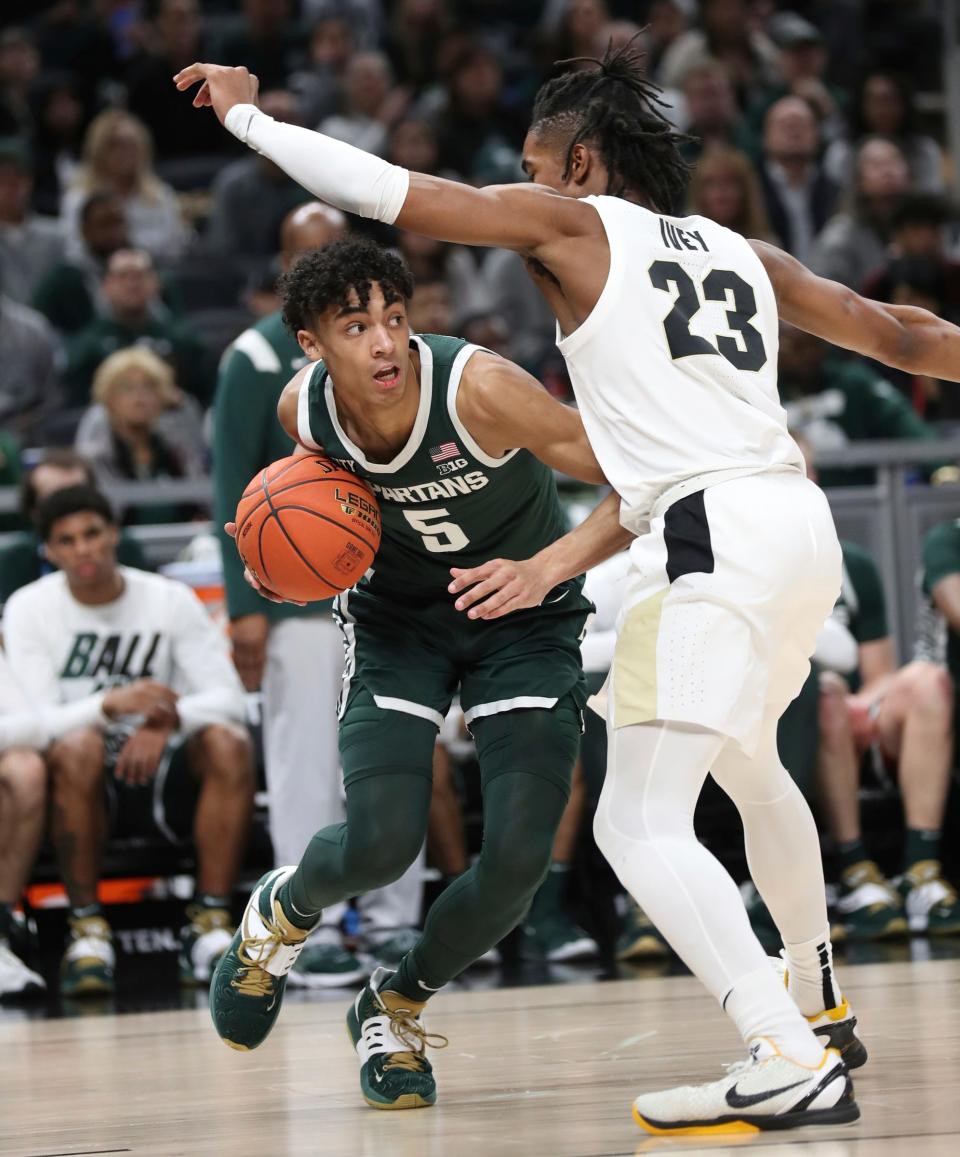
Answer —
445 503
247 437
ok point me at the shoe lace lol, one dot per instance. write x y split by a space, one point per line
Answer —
407 1028
253 979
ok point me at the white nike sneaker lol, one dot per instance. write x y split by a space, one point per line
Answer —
836 1027
16 979
766 1091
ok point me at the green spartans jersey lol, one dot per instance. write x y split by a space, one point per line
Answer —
444 502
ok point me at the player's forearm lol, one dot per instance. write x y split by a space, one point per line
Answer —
597 538
207 708
343 176
924 344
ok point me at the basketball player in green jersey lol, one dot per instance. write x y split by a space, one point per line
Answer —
457 443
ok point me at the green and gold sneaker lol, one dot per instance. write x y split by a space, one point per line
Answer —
391 1043
203 940
639 938
931 902
247 987
88 963
869 904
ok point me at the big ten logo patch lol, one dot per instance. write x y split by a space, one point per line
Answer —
450 467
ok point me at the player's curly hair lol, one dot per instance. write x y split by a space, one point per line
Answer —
615 108
326 276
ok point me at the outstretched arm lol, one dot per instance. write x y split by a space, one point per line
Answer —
521 217
901 336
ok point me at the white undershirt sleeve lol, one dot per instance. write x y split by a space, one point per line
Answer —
337 173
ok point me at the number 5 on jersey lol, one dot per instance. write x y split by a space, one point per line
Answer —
438 537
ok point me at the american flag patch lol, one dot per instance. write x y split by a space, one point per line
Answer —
444 451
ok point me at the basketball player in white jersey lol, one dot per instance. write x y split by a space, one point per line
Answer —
669 329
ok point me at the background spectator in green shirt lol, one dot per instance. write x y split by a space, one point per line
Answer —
69 295
832 401
135 315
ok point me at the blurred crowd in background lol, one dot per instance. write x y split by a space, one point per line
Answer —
139 241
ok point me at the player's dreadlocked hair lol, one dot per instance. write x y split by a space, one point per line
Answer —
326 276
617 109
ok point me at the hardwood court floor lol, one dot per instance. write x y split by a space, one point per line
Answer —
533 1072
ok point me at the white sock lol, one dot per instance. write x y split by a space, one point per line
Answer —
760 1006
810 975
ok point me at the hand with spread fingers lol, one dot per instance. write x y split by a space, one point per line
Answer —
499 587
221 87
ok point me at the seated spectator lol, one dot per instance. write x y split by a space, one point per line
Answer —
430 310
918 230
251 196
69 294
477 130
725 188
907 714
803 73
19 68
667 21
134 314
884 107
574 27
413 39
134 389
319 87
31 358
853 243
23 808
59 118
267 41
434 260
712 118
926 283
832 401
175 39
371 104
29 245
799 196
727 34
23 560
139 657
117 158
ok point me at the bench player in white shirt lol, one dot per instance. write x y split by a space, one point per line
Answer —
669 329
127 678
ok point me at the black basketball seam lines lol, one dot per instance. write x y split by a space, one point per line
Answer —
284 490
327 518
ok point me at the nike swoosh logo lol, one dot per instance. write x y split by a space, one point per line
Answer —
562 595
378 1077
744 1100
427 987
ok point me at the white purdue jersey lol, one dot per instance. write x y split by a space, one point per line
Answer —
675 370
65 652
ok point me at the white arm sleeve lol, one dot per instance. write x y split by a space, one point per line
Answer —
343 176
25 724
210 689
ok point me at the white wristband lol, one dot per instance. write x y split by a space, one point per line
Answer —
343 176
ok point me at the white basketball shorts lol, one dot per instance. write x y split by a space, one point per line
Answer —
724 600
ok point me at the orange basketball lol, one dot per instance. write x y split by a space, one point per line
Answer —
307 529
